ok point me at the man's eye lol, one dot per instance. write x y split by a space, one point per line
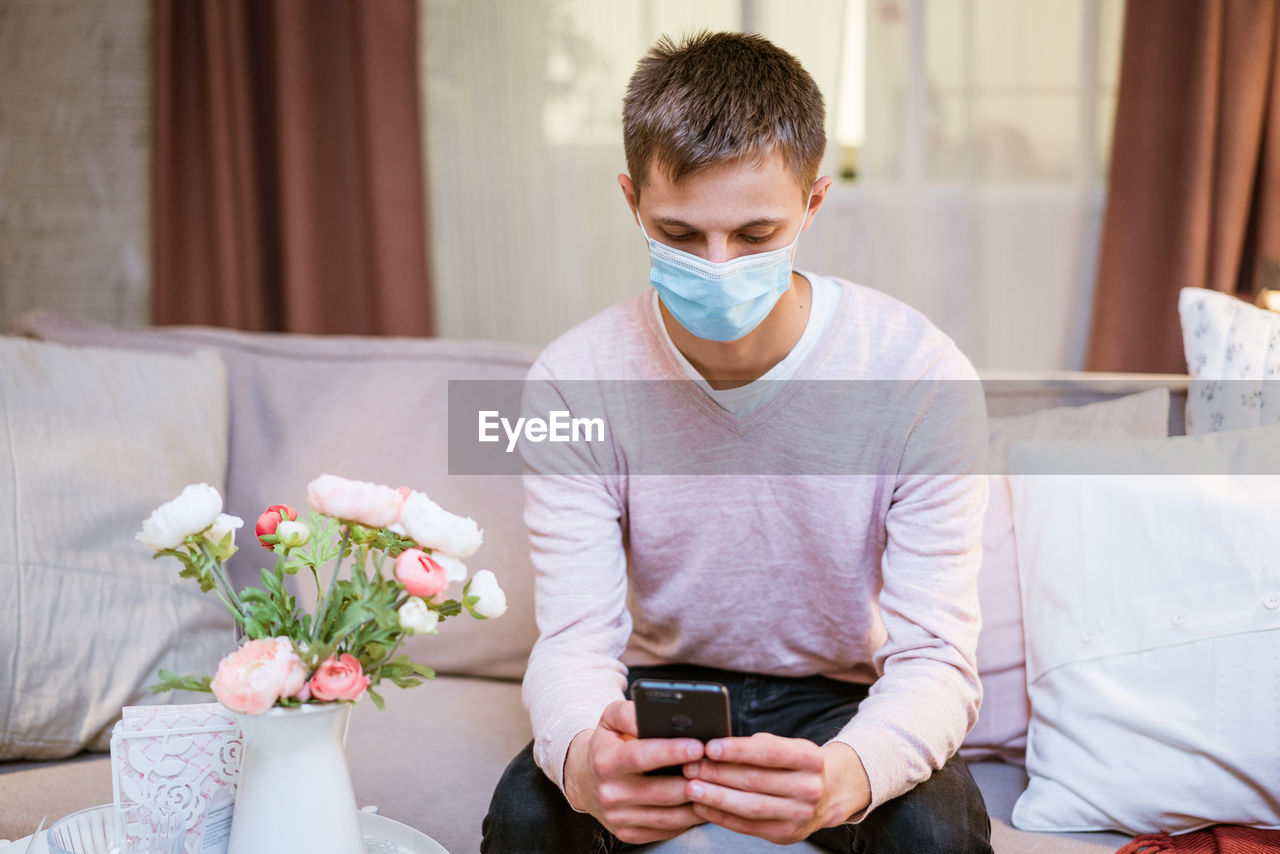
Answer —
751 238
684 235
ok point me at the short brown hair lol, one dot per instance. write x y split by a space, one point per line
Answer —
717 97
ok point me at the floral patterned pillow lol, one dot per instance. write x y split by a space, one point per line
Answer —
1233 356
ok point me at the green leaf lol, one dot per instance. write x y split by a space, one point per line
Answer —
448 608
377 699
170 681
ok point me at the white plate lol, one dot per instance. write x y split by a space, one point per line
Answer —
387 836
382 835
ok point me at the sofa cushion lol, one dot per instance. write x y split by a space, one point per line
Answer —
431 760
365 408
1152 611
1001 729
93 440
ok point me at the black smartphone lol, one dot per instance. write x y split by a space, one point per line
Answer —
680 710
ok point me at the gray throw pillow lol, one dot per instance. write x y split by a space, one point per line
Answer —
91 441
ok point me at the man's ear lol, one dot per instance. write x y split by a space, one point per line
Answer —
818 196
629 193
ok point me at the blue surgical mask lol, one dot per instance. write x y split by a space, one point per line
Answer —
720 301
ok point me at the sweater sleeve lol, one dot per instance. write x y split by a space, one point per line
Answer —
927 696
575 527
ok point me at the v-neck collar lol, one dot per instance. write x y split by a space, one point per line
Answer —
672 370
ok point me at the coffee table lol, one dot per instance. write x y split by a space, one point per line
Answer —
382 835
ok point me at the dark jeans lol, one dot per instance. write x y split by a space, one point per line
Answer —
944 814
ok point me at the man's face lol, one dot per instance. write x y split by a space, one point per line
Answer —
732 209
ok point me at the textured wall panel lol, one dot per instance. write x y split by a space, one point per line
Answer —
75 137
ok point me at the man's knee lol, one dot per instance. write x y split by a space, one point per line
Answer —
522 802
945 814
529 813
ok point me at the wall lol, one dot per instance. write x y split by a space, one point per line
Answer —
75 127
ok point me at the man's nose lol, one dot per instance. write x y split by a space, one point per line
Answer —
718 249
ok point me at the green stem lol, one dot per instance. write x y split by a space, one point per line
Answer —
221 577
322 611
238 616
333 645
362 555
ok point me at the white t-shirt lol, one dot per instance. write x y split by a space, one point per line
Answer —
745 398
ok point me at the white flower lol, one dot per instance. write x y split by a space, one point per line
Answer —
222 526
490 600
416 618
193 511
433 527
454 569
292 534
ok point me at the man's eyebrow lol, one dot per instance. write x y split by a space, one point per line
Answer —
755 223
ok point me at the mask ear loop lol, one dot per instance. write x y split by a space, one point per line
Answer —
804 219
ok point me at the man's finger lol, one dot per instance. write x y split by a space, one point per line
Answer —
648 754
753 778
780 833
636 791
620 716
752 806
668 820
767 751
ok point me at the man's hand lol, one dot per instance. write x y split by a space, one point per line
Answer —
604 776
780 789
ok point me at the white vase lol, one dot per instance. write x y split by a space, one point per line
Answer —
295 790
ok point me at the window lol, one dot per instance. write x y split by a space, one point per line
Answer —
917 90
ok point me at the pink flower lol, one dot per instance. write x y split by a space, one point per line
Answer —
339 679
271 519
355 500
252 678
420 575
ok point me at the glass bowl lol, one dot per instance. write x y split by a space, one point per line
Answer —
134 829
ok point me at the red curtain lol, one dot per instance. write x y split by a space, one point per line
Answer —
1194 192
288 178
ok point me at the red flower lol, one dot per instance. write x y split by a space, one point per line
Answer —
270 520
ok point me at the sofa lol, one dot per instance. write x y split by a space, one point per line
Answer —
290 407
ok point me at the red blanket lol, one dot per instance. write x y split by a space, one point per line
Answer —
1219 839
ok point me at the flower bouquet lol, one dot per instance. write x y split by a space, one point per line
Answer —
293 679
350 644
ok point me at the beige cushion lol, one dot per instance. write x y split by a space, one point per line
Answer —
91 441
365 408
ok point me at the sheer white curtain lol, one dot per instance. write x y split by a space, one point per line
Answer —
980 171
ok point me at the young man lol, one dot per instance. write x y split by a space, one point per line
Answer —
840 610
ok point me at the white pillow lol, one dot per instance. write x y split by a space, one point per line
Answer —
1152 611
1233 356
1001 730
91 441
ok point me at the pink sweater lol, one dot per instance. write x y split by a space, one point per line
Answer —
858 576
